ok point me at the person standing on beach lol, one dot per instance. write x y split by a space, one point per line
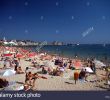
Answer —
76 76
16 65
26 71
82 75
94 68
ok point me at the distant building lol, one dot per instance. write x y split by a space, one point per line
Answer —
4 39
57 43
21 43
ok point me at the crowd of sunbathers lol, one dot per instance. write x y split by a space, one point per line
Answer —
60 66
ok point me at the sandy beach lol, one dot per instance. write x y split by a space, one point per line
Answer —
58 83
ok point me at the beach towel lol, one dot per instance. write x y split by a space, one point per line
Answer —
12 83
20 88
62 69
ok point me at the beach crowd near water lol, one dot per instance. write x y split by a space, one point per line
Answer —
23 69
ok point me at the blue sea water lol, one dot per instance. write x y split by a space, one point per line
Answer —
98 51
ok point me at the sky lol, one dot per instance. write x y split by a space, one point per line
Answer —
77 21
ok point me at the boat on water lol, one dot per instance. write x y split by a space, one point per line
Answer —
104 45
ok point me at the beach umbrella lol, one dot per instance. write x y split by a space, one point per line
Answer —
88 69
42 54
31 54
99 64
19 55
25 51
7 55
47 57
9 72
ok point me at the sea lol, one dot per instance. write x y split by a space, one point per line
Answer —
82 51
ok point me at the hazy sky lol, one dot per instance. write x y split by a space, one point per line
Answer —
81 21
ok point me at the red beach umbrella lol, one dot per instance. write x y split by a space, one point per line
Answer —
25 51
31 54
7 55
19 55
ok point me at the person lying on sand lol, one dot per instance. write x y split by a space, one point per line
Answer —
19 71
44 70
57 72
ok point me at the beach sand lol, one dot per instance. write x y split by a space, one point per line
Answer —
57 83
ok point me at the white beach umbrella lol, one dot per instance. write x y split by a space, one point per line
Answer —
88 69
9 72
42 54
99 64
